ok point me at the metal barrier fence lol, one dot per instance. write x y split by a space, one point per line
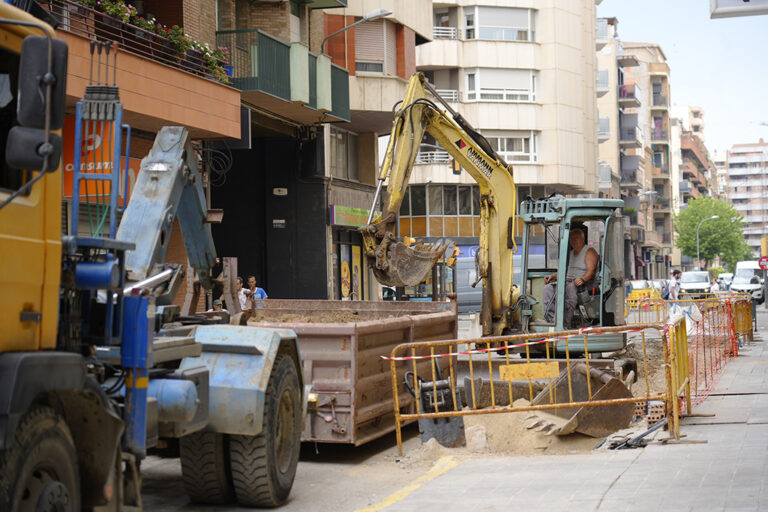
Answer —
696 342
519 366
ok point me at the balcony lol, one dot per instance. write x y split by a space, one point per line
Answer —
659 136
629 96
606 177
603 129
686 189
502 95
652 239
429 155
630 180
660 173
624 59
445 32
602 33
659 101
450 95
603 85
630 137
286 79
658 69
158 86
661 205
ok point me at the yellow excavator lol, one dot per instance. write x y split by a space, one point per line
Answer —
394 263
546 224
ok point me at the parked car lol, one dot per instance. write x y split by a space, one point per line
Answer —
694 284
749 279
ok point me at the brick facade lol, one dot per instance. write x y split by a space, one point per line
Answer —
406 51
341 48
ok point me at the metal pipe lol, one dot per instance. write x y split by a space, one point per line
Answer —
149 282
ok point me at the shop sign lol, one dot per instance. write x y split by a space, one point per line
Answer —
348 216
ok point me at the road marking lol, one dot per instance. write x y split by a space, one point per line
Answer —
443 465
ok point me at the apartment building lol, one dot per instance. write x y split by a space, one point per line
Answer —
522 74
649 190
692 118
748 188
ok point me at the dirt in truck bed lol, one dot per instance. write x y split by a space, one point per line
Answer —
319 317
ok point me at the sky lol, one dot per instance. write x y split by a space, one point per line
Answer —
716 64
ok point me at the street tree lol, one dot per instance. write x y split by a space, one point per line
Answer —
721 237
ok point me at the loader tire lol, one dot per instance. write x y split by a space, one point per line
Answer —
39 469
264 466
205 468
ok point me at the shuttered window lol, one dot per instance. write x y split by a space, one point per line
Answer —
369 46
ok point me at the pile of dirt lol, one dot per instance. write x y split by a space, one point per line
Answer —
508 433
501 433
319 317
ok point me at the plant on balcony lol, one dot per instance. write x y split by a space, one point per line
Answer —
213 60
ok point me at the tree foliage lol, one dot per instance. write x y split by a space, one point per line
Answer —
723 237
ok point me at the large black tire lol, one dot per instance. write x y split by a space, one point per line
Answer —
40 466
205 468
264 466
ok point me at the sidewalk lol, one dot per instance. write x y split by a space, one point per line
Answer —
728 472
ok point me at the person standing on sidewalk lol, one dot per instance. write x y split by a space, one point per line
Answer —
674 286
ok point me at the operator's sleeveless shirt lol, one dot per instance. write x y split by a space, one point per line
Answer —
577 264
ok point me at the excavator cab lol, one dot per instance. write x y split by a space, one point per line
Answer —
547 226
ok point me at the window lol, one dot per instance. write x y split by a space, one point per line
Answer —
440 210
499 23
376 47
507 85
11 179
469 23
515 148
344 155
658 159
369 67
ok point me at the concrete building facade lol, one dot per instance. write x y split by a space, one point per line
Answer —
748 189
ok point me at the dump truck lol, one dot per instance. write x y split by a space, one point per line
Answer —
97 367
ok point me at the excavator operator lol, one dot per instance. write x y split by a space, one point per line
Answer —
582 266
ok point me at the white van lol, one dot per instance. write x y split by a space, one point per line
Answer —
749 278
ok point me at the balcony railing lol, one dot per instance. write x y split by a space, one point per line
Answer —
505 95
445 32
261 63
339 92
601 33
629 92
657 134
433 156
603 129
660 100
602 82
629 134
78 19
661 204
685 187
449 94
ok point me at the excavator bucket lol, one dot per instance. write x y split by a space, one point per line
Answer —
408 266
594 421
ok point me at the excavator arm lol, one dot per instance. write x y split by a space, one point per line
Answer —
393 263
169 185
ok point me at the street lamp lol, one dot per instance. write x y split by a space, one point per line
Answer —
698 258
373 15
